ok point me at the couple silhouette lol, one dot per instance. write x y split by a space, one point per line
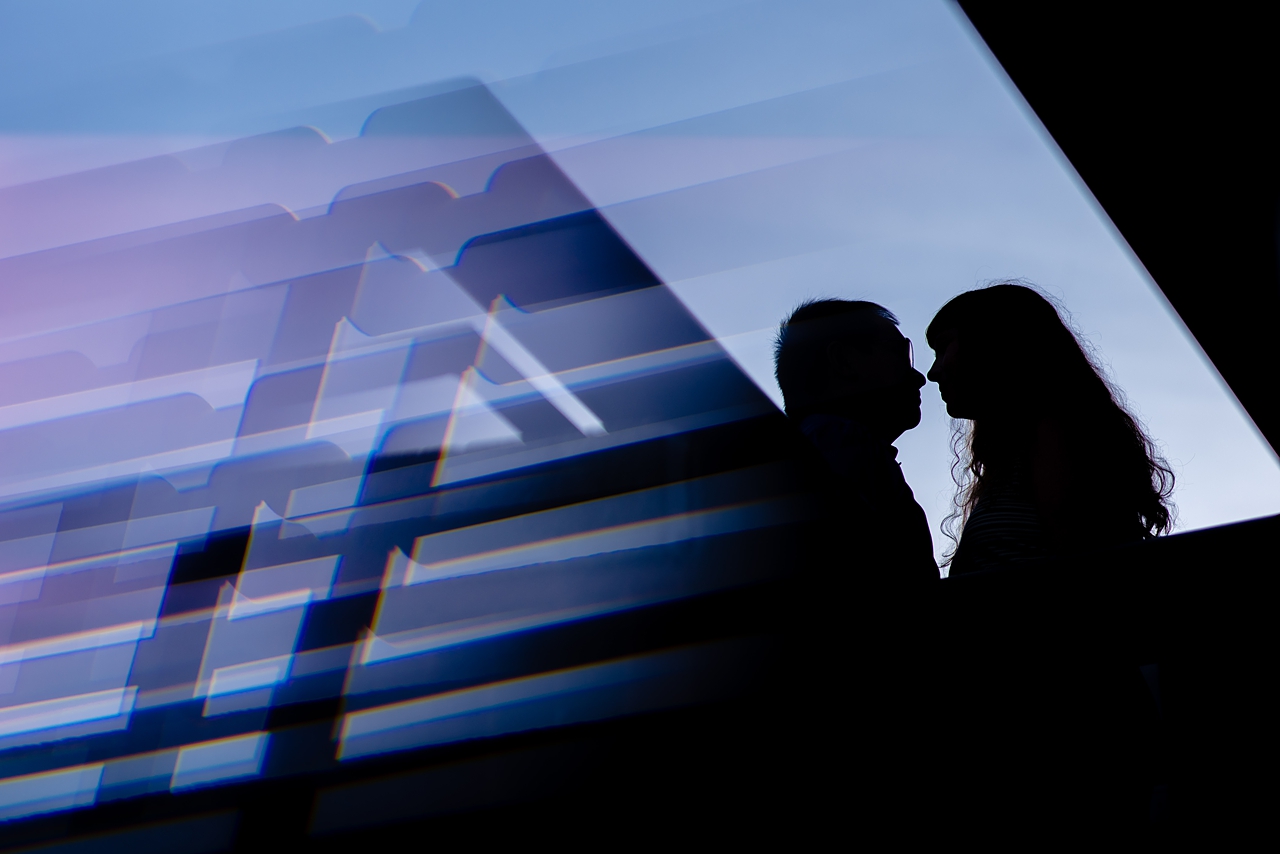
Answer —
1048 461
991 702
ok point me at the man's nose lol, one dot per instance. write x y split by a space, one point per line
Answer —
917 378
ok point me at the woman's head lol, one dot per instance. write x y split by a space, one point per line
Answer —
1005 362
1004 351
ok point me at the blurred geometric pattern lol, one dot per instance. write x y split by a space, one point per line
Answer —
391 458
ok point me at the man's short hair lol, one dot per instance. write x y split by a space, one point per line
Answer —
798 360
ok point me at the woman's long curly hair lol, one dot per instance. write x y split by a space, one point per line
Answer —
1033 367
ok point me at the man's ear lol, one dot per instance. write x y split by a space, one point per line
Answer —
842 361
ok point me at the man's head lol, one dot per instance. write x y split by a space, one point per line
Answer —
843 357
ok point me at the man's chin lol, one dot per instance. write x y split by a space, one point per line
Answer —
909 422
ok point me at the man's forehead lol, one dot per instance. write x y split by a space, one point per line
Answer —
870 328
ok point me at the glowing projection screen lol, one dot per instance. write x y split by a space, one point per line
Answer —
372 357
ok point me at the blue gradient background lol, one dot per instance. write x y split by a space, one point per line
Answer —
753 153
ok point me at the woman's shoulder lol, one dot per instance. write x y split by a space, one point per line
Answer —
1004 528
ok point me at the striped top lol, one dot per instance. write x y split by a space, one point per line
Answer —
1004 529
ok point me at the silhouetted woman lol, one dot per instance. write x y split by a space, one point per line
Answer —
1050 462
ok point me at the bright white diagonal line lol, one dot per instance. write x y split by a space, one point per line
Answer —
542 379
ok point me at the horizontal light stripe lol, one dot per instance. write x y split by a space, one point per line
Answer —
573 695
402 644
488 462
157 551
243 606
470 700
62 711
250 675
218 760
634 535
48 791
194 455
93 639
220 386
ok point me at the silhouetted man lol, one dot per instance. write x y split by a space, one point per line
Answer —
848 382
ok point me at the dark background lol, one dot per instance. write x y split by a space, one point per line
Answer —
1168 112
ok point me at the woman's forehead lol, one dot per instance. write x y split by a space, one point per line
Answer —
939 339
